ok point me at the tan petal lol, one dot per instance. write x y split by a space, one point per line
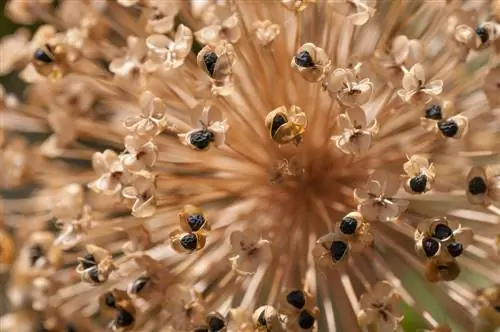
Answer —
400 49
359 18
357 116
464 236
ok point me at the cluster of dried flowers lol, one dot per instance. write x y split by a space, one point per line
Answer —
290 165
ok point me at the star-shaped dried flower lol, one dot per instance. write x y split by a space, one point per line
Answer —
343 85
331 250
483 185
143 192
214 321
211 130
165 53
265 32
96 265
420 175
379 307
311 62
266 318
250 251
184 308
153 118
298 307
229 29
415 86
111 173
129 66
477 38
375 200
356 134
142 153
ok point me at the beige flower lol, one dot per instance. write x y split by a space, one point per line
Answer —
184 307
217 61
208 132
356 135
331 249
214 321
143 192
416 86
356 229
311 62
166 53
420 175
343 84
379 307
153 118
229 29
110 170
129 67
356 12
65 133
483 185
162 16
265 32
250 251
142 153
376 202
406 51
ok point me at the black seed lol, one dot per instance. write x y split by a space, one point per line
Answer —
497 308
278 121
337 250
124 318
201 139
94 274
88 261
483 34
69 328
448 128
195 222
434 113
36 252
418 183
296 298
303 59
43 55
216 324
442 232
140 283
477 186
189 241
348 225
455 249
210 59
430 246
109 300
305 320
262 318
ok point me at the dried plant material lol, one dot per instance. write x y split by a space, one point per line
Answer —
343 85
228 29
265 32
96 265
416 86
266 318
129 67
15 168
142 153
483 185
487 304
356 229
420 175
356 12
331 249
249 250
298 308
356 134
286 125
492 87
110 169
311 62
7 250
185 308
297 5
379 307
116 303
143 192
152 119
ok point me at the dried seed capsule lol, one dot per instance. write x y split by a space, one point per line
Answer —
418 183
338 250
348 225
442 232
455 249
448 128
44 54
265 316
434 113
304 59
210 59
278 120
296 298
305 320
483 34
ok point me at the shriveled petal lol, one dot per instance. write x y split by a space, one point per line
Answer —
344 122
418 72
434 87
130 192
400 49
387 323
382 290
146 100
416 52
410 83
102 161
359 18
144 208
464 236
358 117
370 210
219 129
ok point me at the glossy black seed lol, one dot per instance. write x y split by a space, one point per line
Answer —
296 298
216 324
483 34
430 246
210 59
348 225
36 252
195 222
278 121
418 183
448 128
43 55
109 300
262 318
442 232
124 318
69 328
189 241
303 59
337 250
305 320
201 139
434 113
455 249
88 261
93 273
140 283
477 186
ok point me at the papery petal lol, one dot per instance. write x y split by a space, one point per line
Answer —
359 18
464 236
400 49
357 116
144 208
